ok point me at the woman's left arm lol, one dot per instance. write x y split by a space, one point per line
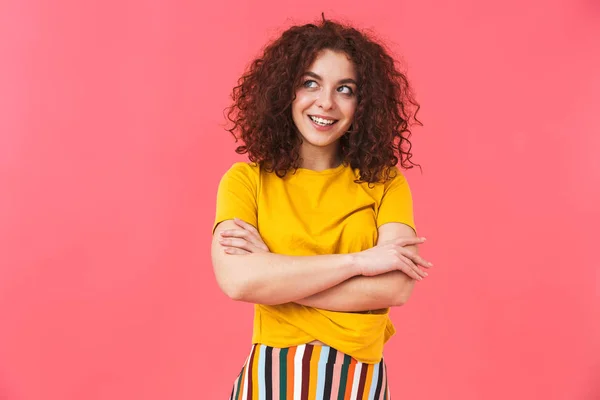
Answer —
363 293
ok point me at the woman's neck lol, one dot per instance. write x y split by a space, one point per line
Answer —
320 159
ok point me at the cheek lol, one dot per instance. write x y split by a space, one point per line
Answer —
296 112
348 109
301 102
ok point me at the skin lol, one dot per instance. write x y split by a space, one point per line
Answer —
329 90
355 294
380 277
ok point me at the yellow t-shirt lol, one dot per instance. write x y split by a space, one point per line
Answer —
311 213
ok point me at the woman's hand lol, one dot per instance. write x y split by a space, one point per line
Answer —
393 256
245 240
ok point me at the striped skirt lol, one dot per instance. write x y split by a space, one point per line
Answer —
308 372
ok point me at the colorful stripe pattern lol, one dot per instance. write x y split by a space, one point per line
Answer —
308 372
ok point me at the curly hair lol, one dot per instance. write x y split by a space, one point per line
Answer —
262 100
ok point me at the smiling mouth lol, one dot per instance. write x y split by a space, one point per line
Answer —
322 121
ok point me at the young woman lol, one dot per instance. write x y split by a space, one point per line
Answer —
318 231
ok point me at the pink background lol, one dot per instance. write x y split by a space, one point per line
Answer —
111 149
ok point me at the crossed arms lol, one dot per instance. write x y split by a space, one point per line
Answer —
377 278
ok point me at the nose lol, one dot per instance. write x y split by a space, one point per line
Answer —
325 100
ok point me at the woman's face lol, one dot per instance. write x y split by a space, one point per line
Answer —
326 100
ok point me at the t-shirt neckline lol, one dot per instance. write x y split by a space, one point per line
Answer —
329 171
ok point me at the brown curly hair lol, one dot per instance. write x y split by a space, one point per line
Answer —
262 100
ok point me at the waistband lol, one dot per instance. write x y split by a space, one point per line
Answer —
308 372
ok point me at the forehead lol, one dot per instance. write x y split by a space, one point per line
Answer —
333 65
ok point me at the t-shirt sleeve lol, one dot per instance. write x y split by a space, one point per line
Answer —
236 195
396 204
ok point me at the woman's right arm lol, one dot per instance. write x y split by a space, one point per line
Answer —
263 277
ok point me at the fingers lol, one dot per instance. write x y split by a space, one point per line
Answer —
417 258
237 233
407 241
410 272
245 225
410 262
418 272
246 235
420 260
237 243
235 251
406 268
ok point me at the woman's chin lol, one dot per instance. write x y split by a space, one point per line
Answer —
320 139
320 143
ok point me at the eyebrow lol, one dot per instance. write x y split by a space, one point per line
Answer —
342 81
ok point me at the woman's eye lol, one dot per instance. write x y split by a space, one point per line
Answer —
345 90
309 84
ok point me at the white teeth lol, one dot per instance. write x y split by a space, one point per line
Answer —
321 121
